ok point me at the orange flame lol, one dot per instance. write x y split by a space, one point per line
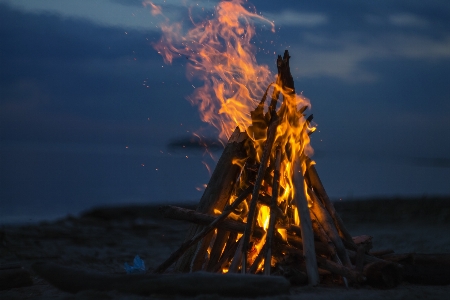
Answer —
221 54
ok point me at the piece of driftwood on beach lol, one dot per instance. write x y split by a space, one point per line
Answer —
75 280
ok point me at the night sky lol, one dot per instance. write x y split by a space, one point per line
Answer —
88 109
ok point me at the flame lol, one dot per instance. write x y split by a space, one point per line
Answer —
220 54
264 216
156 10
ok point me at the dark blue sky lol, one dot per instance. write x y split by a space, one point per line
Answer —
80 81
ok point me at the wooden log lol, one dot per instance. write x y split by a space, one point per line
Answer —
232 285
340 270
259 178
297 242
323 237
321 234
178 213
218 190
228 252
359 260
200 257
367 258
424 269
261 255
383 274
203 233
216 250
305 225
316 184
198 262
329 227
363 239
273 212
237 258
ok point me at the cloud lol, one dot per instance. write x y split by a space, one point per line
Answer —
102 12
407 20
293 18
344 56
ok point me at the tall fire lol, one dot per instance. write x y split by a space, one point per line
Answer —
264 209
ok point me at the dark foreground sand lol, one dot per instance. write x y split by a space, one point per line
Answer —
104 239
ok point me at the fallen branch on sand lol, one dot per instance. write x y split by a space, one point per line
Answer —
75 280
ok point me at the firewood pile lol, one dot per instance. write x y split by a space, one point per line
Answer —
266 211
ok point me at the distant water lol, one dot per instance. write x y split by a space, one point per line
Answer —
43 181
48 181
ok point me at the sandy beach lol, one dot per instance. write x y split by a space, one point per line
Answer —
103 239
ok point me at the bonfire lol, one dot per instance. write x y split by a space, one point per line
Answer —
264 209
265 221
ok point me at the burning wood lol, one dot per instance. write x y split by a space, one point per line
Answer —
265 209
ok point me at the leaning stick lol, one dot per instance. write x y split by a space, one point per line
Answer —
216 251
327 224
237 257
228 252
322 235
261 171
187 244
189 215
305 225
217 193
273 212
317 186
258 259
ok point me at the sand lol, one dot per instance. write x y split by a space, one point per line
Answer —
103 239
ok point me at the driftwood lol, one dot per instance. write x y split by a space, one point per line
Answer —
74 280
228 252
237 258
305 226
367 258
202 234
316 184
383 274
261 255
340 270
359 259
216 251
273 213
426 269
297 241
321 234
178 213
216 194
327 224
271 132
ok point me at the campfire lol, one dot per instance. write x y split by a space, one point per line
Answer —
265 209
265 221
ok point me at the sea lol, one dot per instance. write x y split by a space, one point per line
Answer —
43 181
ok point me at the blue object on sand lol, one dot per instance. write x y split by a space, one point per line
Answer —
137 267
